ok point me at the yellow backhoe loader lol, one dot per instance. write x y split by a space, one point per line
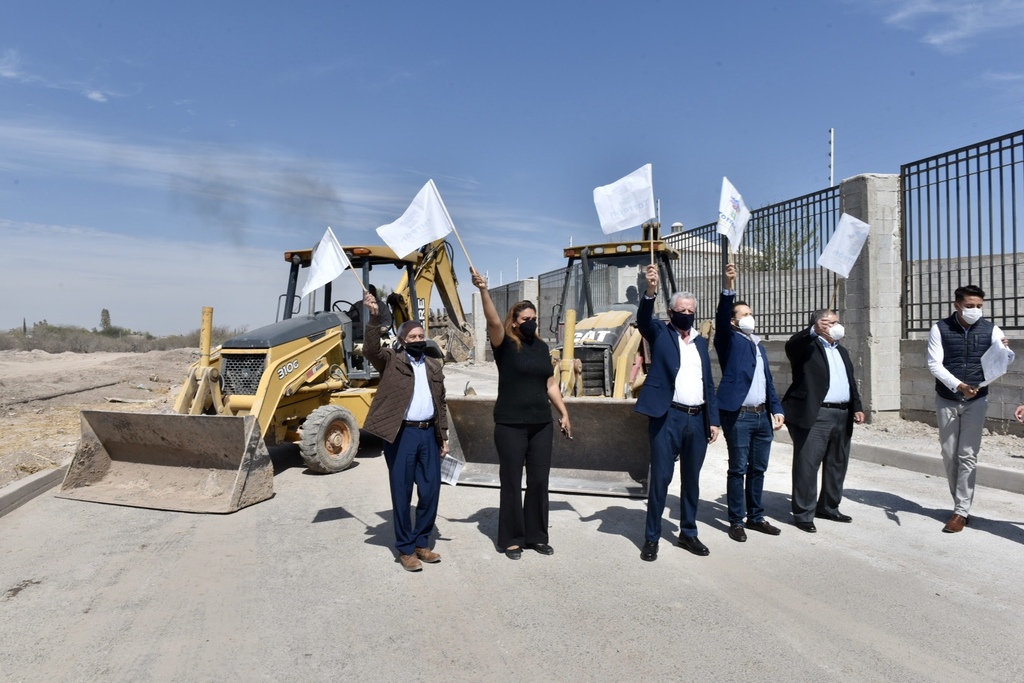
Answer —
601 360
301 379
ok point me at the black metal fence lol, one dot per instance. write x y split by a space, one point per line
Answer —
961 225
778 273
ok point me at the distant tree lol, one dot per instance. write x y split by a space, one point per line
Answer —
778 245
104 320
24 328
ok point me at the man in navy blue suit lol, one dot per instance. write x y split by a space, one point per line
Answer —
750 410
678 396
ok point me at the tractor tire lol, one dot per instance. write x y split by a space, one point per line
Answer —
330 439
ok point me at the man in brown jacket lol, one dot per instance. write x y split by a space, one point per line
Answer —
408 413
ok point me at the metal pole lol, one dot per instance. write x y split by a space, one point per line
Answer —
831 156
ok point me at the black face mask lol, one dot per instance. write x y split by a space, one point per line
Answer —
528 328
416 349
682 321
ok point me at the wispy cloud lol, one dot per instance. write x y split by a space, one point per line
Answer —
949 25
13 68
147 283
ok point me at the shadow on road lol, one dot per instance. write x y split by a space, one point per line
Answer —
893 505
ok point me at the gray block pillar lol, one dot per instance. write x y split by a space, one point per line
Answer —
870 300
479 330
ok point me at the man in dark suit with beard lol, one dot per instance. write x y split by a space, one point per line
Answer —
822 405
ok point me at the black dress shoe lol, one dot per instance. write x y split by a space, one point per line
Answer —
806 526
694 545
542 548
764 527
650 551
513 553
737 533
837 517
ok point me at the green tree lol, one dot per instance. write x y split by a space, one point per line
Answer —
104 320
778 246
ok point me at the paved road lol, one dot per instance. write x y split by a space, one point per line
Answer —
304 587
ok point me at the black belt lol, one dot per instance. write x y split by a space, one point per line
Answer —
752 409
839 406
419 425
689 410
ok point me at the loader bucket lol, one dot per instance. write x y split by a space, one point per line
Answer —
609 455
188 463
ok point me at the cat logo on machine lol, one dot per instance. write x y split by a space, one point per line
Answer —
591 336
287 369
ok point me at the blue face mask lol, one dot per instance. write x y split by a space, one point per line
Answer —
682 321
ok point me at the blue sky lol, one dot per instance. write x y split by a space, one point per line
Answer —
156 159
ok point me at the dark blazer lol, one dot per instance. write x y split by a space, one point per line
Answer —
811 381
737 360
659 386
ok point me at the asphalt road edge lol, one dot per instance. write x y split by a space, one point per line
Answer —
19 492
1001 478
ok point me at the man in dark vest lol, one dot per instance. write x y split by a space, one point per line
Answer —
955 347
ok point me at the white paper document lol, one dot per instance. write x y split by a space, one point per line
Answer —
996 362
842 250
451 468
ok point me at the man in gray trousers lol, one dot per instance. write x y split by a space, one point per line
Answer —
955 347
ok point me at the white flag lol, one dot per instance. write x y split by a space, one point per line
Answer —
424 221
627 202
732 214
329 261
842 250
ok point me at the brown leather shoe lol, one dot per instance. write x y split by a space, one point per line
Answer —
410 563
428 555
956 523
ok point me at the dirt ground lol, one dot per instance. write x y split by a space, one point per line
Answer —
41 395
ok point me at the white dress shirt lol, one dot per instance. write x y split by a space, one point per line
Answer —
421 408
689 389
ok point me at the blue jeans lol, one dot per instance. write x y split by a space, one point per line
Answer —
749 439
675 433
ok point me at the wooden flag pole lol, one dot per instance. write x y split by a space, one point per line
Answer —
835 292
358 279
452 223
468 260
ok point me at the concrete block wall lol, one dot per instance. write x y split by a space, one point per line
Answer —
504 297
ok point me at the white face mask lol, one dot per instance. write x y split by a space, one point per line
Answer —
746 324
837 332
971 315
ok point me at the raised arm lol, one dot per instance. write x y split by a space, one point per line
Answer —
645 311
495 330
371 343
723 316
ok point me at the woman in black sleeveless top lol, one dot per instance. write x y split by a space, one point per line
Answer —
523 431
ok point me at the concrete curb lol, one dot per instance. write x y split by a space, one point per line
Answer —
988 475
20 492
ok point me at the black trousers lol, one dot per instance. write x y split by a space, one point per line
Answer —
522 521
